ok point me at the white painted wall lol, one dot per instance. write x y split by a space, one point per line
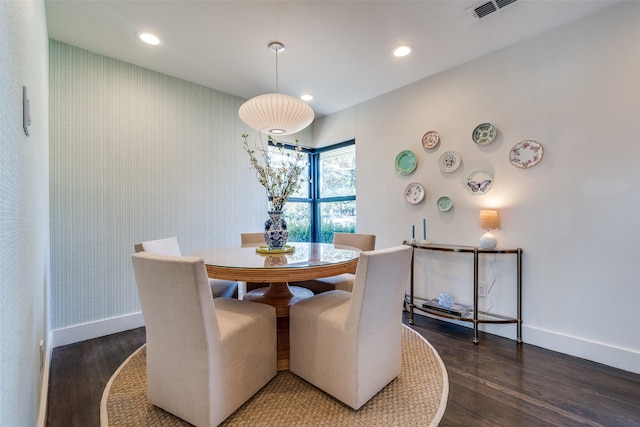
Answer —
24 210
576 90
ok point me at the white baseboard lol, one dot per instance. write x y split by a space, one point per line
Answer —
616 357
96 329
74 334
44 390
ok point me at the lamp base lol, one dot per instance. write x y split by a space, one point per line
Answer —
488 241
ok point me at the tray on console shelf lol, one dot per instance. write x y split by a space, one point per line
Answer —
455 309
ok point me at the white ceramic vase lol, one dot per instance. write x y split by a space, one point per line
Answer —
488 241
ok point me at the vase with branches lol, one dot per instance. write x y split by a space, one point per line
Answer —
279 171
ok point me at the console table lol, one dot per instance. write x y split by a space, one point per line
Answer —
475 316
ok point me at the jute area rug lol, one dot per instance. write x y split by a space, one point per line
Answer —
417 397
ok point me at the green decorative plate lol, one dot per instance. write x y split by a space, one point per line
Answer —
444 203
406 162
484 133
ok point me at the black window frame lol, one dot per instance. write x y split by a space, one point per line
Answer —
315 199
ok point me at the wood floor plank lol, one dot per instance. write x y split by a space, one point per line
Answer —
502 383
79 373
494 383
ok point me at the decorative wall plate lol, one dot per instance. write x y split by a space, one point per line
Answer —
414 193
406 162
526 154
449 161
444 203
479 182
484 134
430 139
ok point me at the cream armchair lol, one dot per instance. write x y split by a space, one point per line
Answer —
349 343
344 282
205 356
169 246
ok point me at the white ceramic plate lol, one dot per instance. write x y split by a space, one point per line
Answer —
430 139
526 154
449 161
414 193
479 182
484 134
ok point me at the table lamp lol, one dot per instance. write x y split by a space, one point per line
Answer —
489 221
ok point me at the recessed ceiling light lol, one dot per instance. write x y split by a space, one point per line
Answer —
402 50
148 38
306 97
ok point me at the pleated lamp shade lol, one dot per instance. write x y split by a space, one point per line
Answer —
276 113
489 219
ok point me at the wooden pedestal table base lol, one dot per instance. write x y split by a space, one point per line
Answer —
281 296
307 262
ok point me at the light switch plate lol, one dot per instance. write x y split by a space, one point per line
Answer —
26 111
482 289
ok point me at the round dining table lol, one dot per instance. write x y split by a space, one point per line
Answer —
279 271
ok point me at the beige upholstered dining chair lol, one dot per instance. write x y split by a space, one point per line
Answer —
344 282
349 343
205 356
170 246
250 240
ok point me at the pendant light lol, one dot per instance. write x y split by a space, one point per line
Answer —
276 113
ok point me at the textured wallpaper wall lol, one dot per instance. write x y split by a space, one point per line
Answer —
136 155
24 212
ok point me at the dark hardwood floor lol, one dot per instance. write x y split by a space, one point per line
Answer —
494 383
79 373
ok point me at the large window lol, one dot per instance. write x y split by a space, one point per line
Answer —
328 203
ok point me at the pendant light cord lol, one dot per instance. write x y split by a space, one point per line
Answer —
277 91
277 47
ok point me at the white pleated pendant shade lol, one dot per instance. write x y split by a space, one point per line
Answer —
276 113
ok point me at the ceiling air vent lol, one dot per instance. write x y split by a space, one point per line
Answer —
485 8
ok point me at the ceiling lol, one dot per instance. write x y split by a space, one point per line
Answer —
339 51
